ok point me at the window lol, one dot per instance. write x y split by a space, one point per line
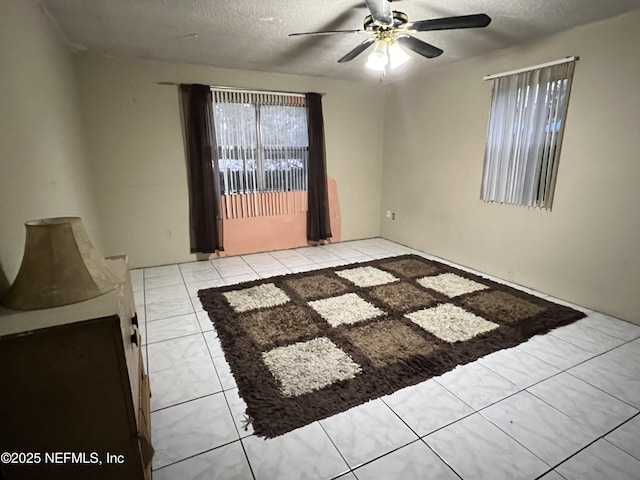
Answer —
528 113
262 141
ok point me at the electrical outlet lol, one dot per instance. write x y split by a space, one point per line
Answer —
393 215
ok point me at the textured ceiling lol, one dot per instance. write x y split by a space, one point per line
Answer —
252 34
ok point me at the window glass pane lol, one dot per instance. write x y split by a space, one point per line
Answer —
269 156
235 124
283 126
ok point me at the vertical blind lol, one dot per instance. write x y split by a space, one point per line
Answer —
526 124
262 141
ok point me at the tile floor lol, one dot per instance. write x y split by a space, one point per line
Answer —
560 406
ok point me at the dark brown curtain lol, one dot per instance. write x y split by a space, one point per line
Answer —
318 219
202 169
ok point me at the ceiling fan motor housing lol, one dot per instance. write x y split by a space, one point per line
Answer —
399 19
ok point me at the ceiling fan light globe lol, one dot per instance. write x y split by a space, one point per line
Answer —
397 56
379 58
376 61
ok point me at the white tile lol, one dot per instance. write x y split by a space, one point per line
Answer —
197 305
478 450
548 433
305 453
172 327
201 276
194 287
224 463
190 428
168 307
597 411
519 367
245 277
614 374
167 302
174 352
555 351
213 344
224 373
206 325
291 258
347 476
343 251
375 251
362 258
589 339
262 262
163 281
160 293
552 476
317 254
306 268
282 270
627 353
137 285
161 271
183 382
229 266
367 432
600 461
612 326
238 412
200 266
332 263
627 437
263 258
415 461
427 407
137 274
476 385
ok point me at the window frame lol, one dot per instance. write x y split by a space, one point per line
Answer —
259 179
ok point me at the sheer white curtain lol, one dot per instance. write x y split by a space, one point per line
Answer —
526 124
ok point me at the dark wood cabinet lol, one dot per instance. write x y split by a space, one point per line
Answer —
74 396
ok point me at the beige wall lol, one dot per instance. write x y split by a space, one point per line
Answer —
136 148
42 156
587 250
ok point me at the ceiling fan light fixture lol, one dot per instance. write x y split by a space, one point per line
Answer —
379 58
397 55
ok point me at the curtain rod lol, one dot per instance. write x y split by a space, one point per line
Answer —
246 90
535 67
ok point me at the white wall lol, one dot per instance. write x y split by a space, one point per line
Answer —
42 156
587 249
136 148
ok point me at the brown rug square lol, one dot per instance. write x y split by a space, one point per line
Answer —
306 346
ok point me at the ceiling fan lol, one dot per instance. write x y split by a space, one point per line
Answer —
390 29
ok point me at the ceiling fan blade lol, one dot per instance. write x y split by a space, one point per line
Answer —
380 11
423 48
357 51
364 5
326 32
449 23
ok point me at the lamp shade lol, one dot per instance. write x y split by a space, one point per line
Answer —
60 266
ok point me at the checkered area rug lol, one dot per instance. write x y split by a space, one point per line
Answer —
306 346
